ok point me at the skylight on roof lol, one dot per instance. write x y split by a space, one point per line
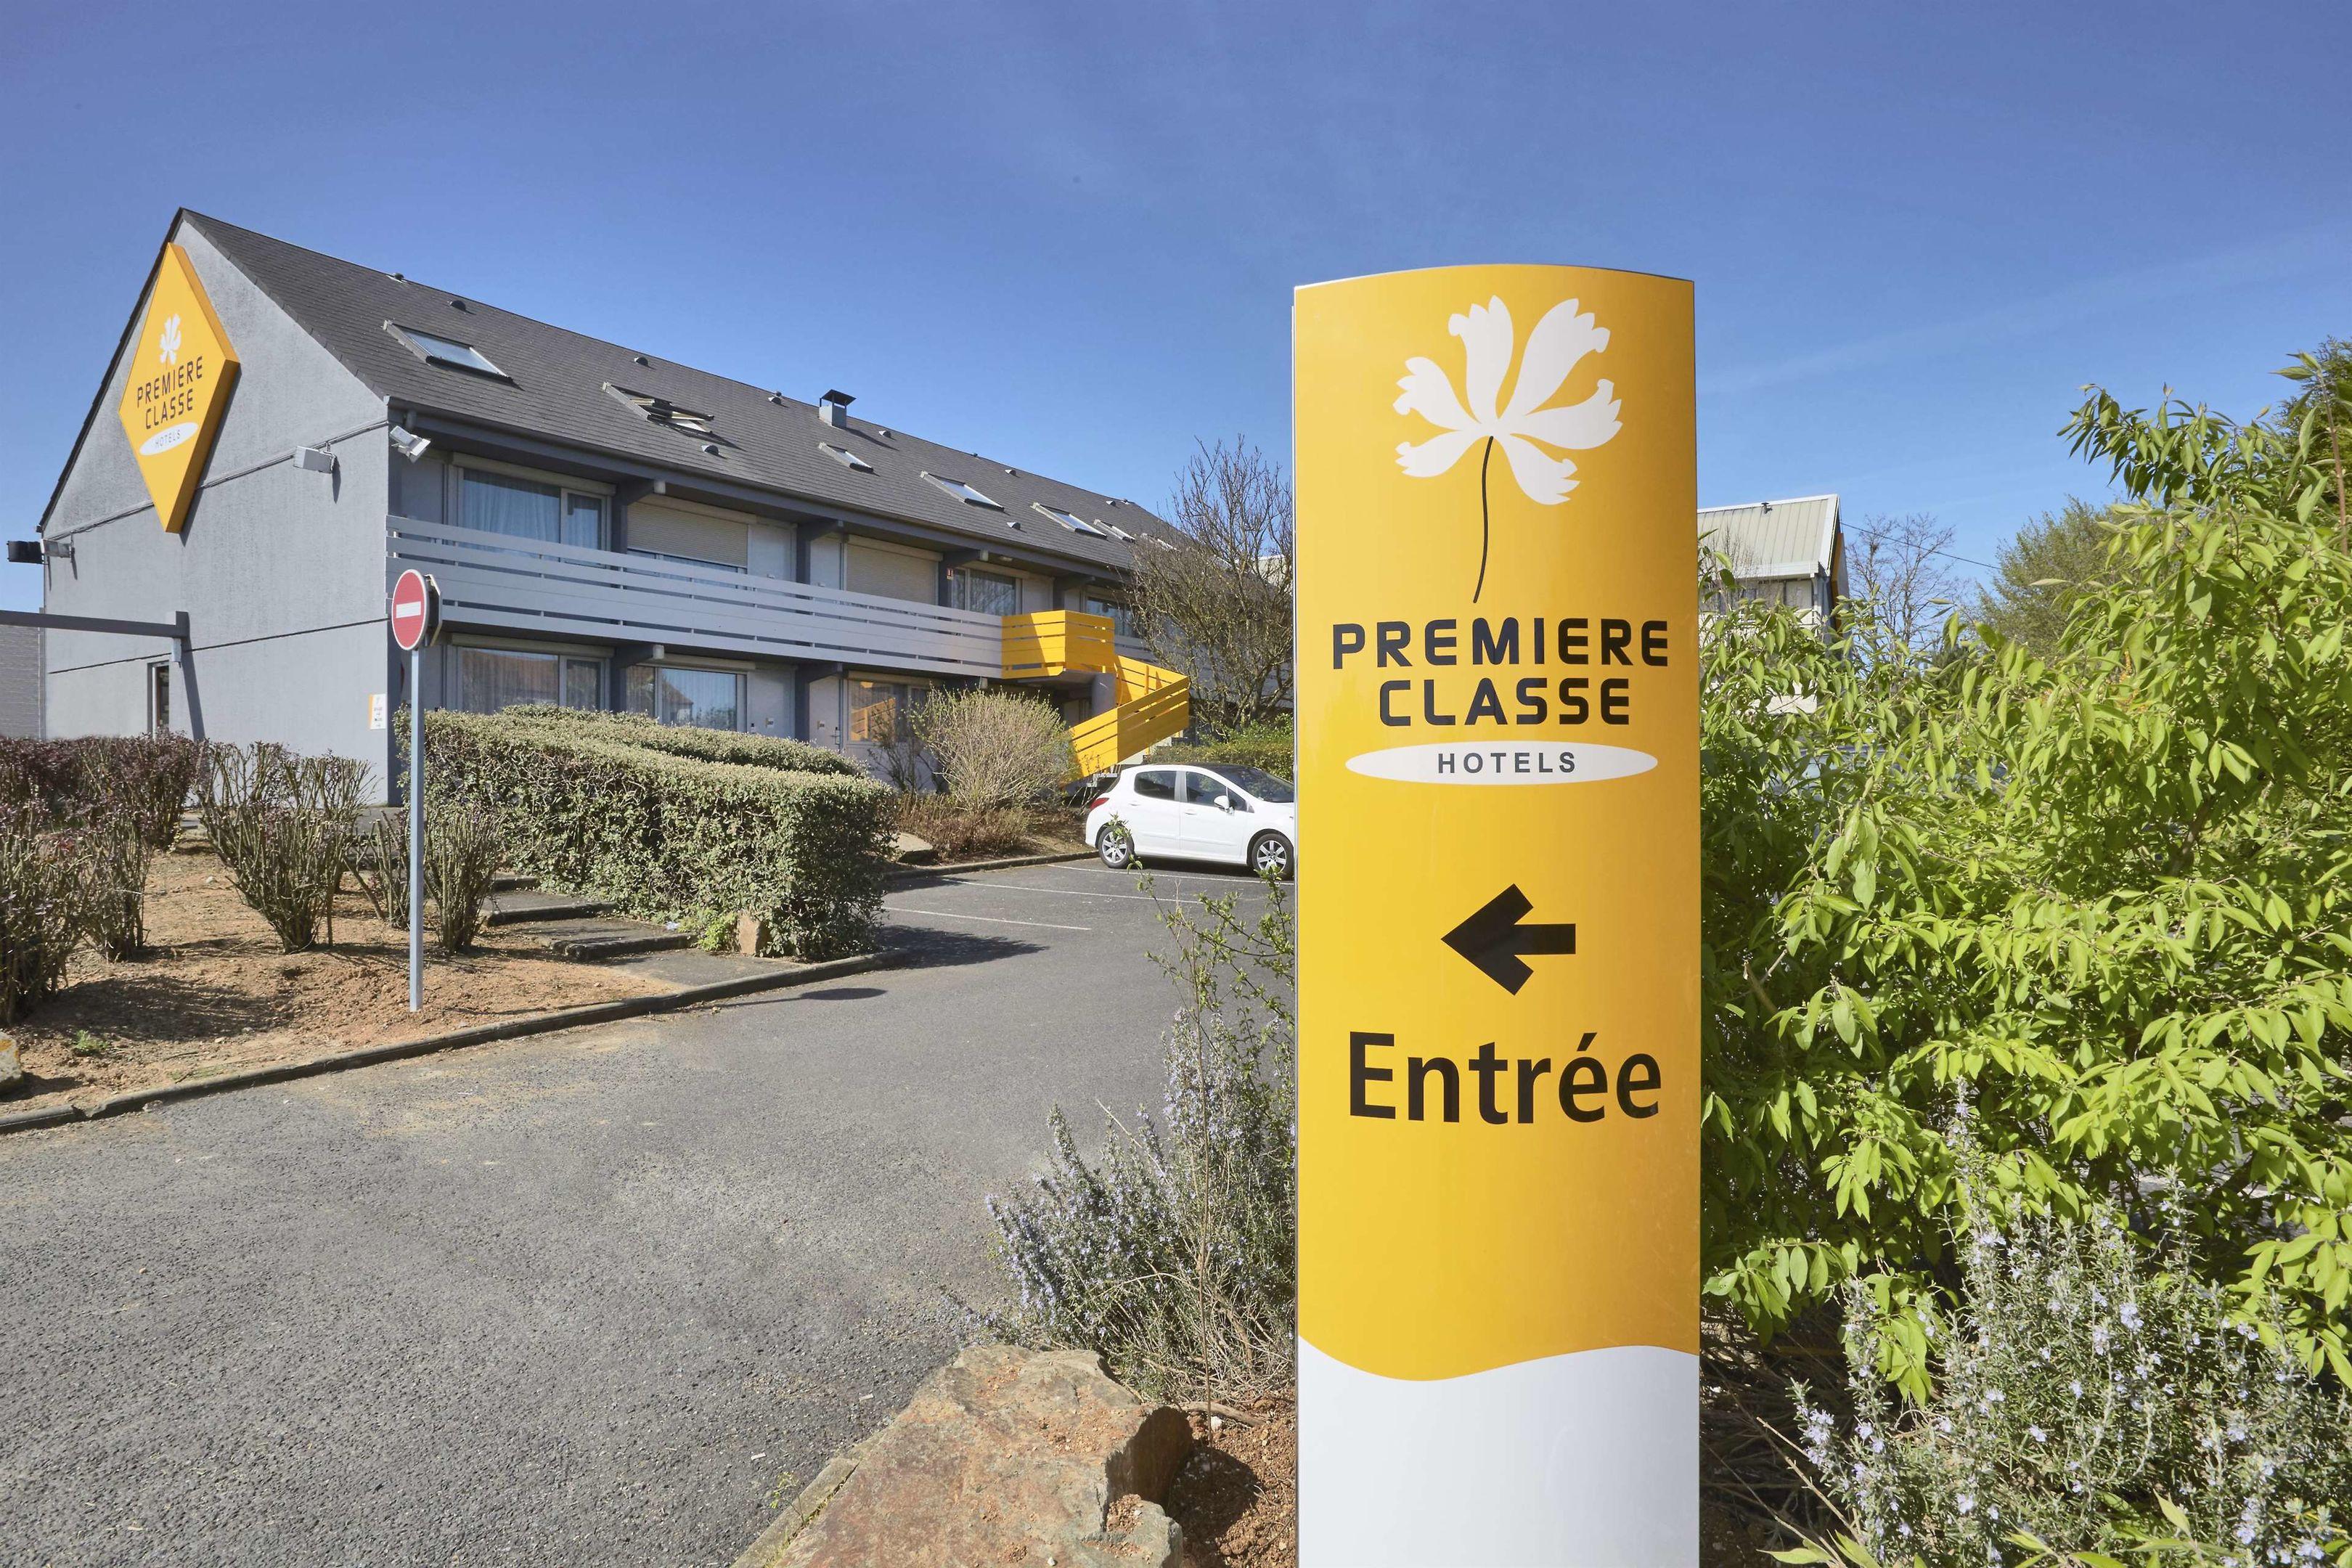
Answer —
1069 520
662 411
962 491
434 349
1120 534
845 457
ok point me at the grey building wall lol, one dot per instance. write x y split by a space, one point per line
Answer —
20 682
281 571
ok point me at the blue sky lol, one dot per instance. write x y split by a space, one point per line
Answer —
1066 234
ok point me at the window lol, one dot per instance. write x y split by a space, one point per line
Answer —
1122 617
964 492
525 509
879 710
434 349
583 681
704 699
1069 520
990 593
1257 782
1156 783
1120 534
490 678
662 411
845 457
158 699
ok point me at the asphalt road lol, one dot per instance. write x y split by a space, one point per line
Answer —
597 1298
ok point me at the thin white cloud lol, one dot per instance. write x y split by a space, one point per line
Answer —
2283 256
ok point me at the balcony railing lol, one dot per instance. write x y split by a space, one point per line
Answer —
493 580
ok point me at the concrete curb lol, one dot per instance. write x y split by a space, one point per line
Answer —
957 869
400 1050
768 1549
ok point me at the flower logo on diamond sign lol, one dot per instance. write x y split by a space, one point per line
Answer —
1523 428
170 342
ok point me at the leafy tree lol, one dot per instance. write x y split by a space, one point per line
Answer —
2323 404
1218 609
2112 892
2053 560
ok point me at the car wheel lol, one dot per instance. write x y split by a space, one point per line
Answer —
1271 854
1116 846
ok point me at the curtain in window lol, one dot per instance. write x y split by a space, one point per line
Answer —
987 593
490 678
583 521
706 698
495 503
878 710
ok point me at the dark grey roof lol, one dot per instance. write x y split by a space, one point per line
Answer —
557 389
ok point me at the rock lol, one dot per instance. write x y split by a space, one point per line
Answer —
12 1066
1004 1457
748 928
913 851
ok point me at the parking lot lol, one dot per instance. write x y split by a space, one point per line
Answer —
601 1297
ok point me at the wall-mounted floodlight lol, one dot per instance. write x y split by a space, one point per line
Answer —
314 460
411 445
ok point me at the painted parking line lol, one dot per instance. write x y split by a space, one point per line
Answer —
1054 892
990 920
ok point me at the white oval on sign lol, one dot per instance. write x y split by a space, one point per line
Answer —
1503 763
169 436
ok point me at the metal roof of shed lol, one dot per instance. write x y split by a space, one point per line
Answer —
1793 538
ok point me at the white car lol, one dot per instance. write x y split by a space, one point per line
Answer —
1190 811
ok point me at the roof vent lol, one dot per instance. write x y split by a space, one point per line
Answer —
641 359
458 304
834 408
777 398
399 276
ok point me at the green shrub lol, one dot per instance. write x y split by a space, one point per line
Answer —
462 855
1174 1254
2110 892
115 867
2094 1394
462 851
148 777
990 748
685 740
1264 746
958 830
666 835
283 825
42 893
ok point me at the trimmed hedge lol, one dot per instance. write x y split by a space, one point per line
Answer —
148 775
623 811
1267 746
704 745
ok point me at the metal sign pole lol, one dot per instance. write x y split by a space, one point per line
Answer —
1499 955
416 827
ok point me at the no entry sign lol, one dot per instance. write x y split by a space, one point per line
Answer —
415 609
1497 702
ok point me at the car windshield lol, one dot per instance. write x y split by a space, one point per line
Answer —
1257 783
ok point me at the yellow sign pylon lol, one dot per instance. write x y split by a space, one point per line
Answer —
1497 704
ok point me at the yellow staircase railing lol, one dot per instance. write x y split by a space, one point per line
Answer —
1149 704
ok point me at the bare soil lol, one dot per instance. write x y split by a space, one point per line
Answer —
214 992
1237 1494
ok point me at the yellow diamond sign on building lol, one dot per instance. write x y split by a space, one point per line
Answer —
182 369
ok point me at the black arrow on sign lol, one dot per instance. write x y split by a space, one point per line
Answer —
1493 939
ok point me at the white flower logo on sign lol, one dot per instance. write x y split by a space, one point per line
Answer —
1522 428
170 342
